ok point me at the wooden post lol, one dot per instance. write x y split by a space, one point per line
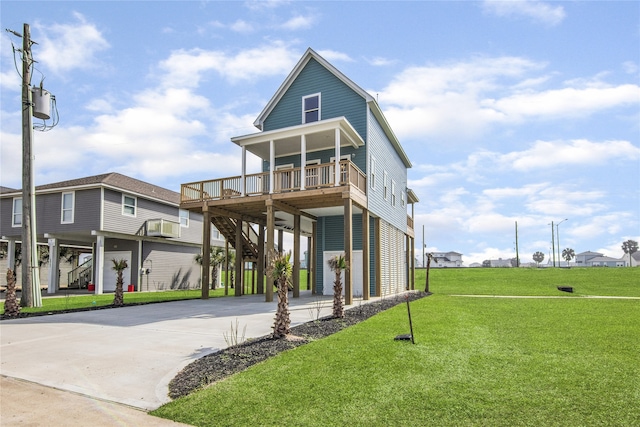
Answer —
206 251
270 248
366 270
312 258
296 256
239 261
348 253
260 272
378 256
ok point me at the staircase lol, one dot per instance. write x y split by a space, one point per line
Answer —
80 276
250 239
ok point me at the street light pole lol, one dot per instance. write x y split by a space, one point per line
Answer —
558 238
553 245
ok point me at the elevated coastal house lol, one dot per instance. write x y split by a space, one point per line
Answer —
333 171
446 260
105 217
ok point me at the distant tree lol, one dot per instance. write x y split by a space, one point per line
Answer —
216 258
568 254
119 266
280 271
486 263
538 257
630 247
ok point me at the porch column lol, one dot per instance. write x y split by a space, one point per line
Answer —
280 241
348 288
312 257
54 267
226 267
260 272
270 248
296 256
272 164
243 189
303 161
99 265
206 252
337 159
239 276
366 271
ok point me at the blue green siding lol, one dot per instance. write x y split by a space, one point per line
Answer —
337 100
331 238
387 159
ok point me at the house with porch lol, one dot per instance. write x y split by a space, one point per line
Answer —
332 171
105 217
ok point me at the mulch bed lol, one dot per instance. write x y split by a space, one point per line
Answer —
217 366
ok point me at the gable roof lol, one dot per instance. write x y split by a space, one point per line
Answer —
116 181
371 102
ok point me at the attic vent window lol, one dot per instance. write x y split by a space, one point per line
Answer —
311 108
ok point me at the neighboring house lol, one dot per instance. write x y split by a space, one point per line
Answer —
446 259
605 261
105 217
582 259
500 263
333 171
635 258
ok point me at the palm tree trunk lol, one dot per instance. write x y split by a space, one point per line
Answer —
283 322
338 308
118 299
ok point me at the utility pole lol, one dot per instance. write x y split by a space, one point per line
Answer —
31 296
517 255
553 245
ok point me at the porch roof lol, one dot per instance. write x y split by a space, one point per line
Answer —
319 136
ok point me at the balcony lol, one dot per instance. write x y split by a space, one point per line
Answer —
163 228
284 181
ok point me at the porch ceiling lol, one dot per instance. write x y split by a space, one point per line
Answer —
319 136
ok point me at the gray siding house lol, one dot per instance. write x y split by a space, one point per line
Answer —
333 171
111 216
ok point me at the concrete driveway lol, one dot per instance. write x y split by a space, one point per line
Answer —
128 355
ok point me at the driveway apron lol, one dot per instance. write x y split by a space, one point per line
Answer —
128 355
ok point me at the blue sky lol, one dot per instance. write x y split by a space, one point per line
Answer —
524 111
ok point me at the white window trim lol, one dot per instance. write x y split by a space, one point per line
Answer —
14 213
393 193
135 205
180 212
372 172
402 199
72 209
319 106
385 186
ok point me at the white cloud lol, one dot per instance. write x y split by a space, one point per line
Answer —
241 26
463 100
566 102
298 22
185 68
379 61
536 10
552 154
333 55
63 47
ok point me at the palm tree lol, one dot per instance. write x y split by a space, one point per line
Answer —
337 264
11 306
568 254
538 257
281 272
216 258
630 247
119 266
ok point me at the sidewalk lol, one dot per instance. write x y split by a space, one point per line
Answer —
125 355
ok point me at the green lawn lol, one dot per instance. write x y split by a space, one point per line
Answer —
476 362
74 301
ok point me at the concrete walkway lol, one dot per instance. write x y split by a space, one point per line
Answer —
128 355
